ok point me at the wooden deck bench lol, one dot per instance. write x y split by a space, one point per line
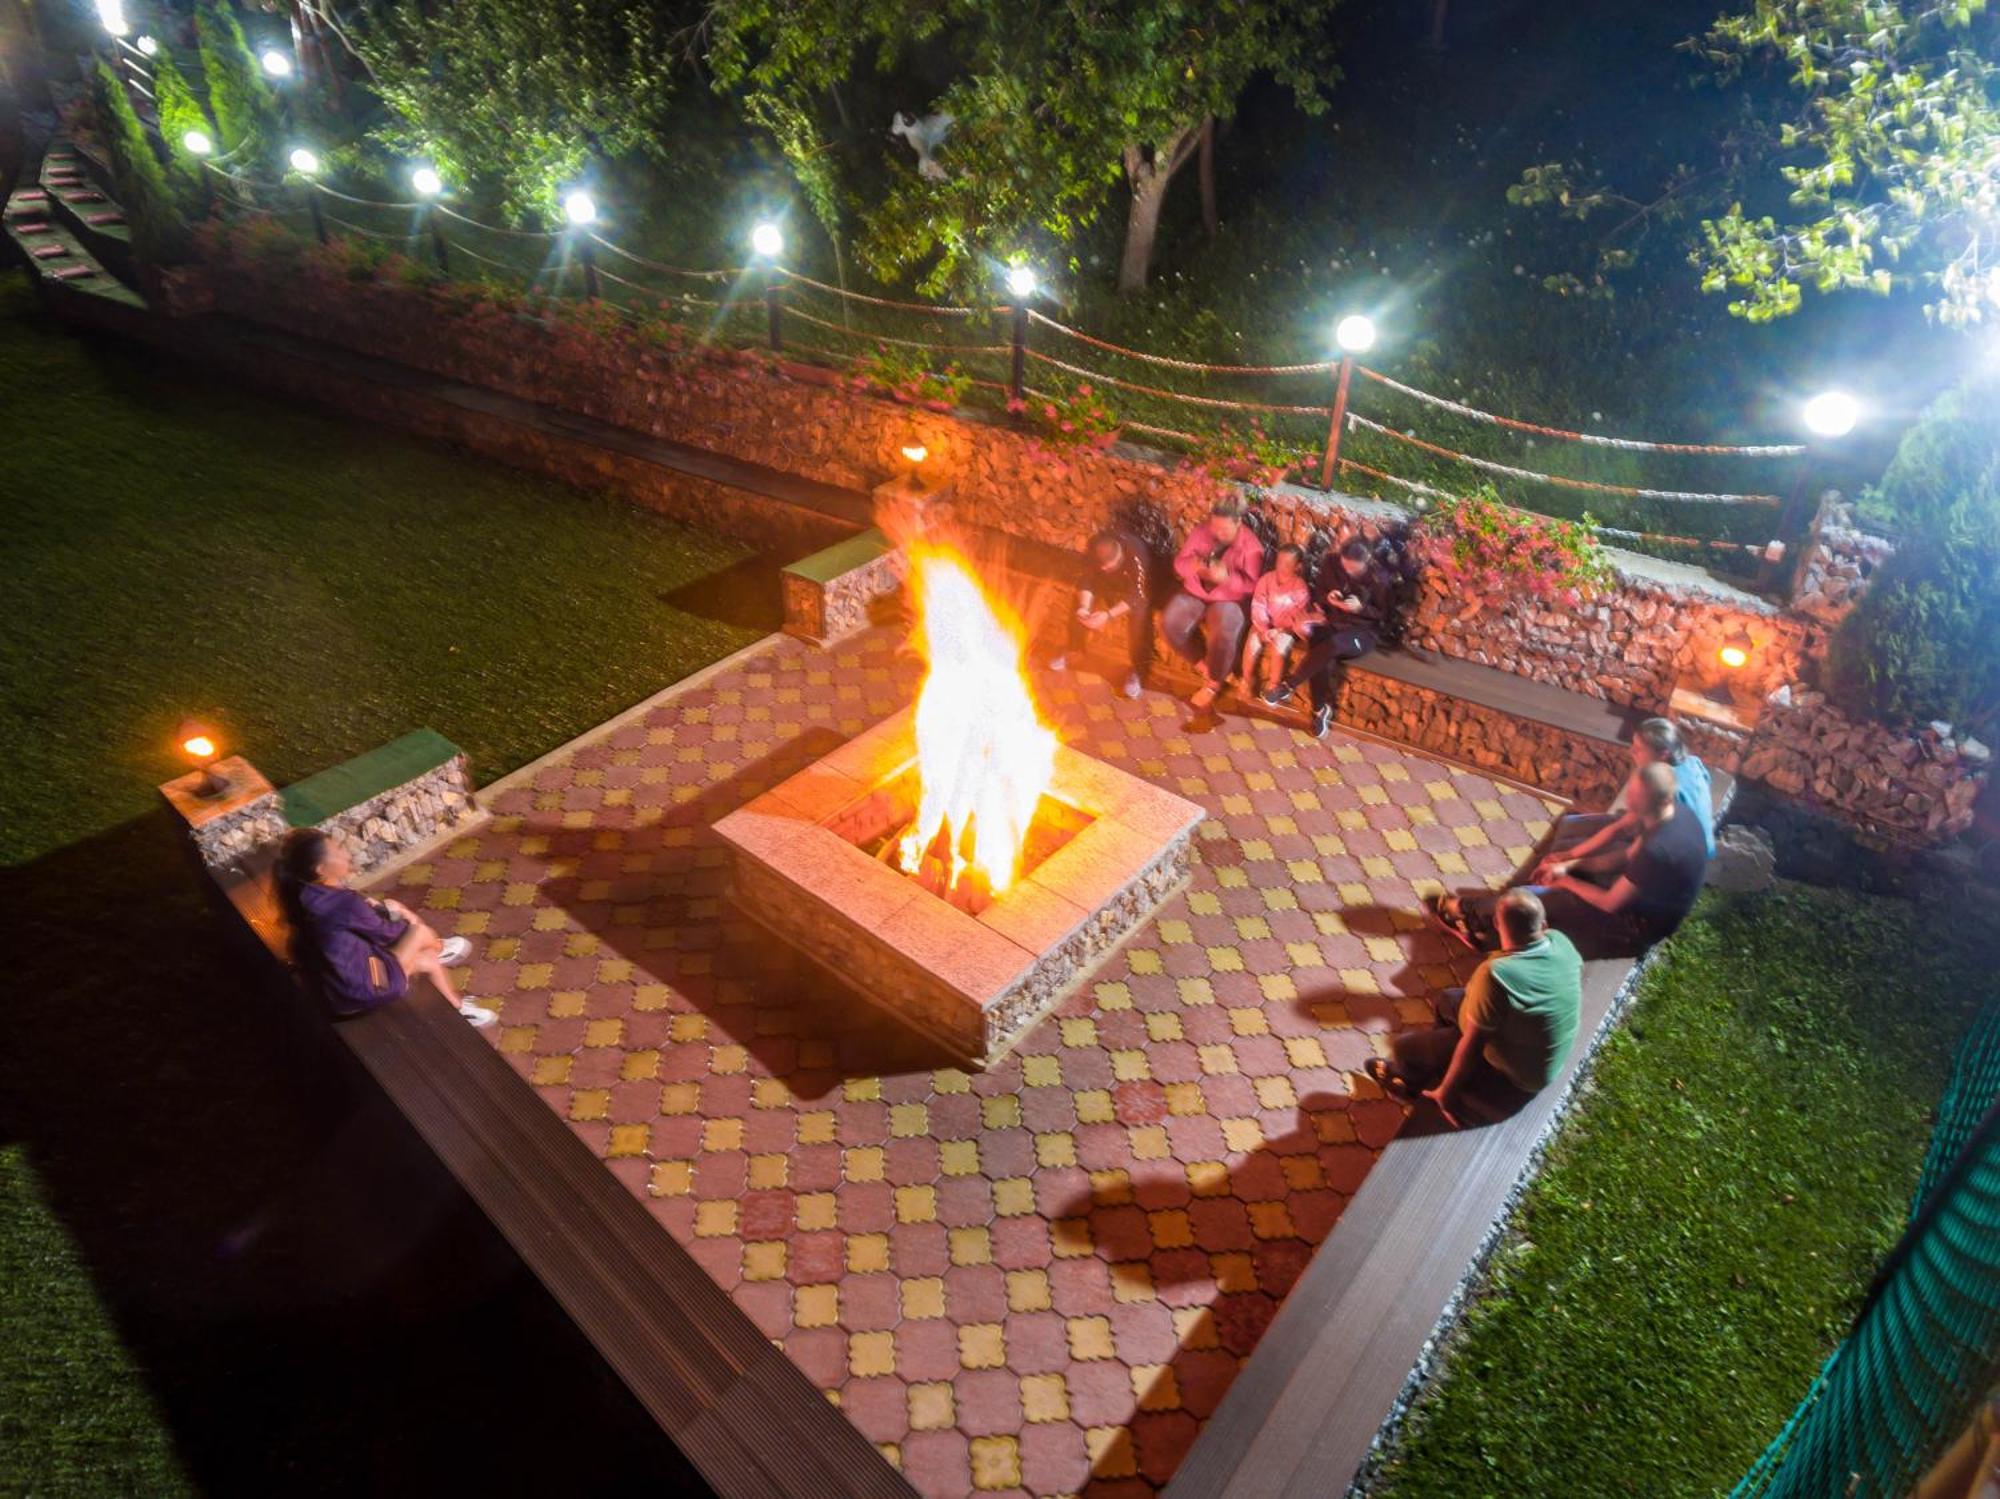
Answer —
733 1403
1358 1334
828 595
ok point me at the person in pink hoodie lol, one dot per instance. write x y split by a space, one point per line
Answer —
1218 566
1281 615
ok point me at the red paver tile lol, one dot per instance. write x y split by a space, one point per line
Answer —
1192 1125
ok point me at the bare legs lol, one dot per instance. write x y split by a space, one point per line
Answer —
419 950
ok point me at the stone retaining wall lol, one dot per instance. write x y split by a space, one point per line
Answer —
1659 628
1895 788
405 817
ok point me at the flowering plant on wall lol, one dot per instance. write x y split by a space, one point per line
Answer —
1069 418
1252 456
1485 551
906 377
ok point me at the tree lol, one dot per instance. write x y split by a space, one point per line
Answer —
517 95
1884 147
1052 104
179 112
246 112
159 233
1919 646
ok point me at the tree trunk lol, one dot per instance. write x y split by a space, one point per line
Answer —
1440 11
1148 177
1211 221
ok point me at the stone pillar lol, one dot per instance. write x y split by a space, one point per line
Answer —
238 825
1837 564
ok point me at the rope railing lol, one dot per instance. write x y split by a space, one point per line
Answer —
1685 496
1185 418
1321 368
1624 444
1211 402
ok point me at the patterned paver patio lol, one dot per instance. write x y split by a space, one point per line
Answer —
1036 1280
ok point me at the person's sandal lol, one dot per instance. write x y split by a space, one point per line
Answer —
1448 916
1204 697
1392 1083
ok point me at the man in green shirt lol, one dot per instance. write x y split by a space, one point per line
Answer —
1507 1033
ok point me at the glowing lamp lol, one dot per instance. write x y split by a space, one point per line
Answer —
1735 651
1355 333
305 162
916 453
111 16
197 143
1831 413
768 241
197 742
580 208
147 46
275 63
426 181
1021 280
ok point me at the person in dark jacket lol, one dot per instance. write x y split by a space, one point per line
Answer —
1111 591
357 953
1355 594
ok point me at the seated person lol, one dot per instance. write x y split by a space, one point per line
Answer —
1281 612
1644 889
1581 836
357 953
1218 566
1355 593
1111 588
1507 1033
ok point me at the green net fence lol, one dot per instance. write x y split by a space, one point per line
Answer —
1925 1349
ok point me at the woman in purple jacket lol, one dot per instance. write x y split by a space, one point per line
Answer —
359 953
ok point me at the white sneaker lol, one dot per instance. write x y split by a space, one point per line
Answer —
478 1015
1058 663
1132 687
454 951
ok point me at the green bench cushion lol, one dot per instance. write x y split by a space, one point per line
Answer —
842 557
332 791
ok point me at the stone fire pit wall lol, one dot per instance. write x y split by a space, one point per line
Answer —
1656 630
975 984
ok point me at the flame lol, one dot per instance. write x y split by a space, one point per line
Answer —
199 746
984 756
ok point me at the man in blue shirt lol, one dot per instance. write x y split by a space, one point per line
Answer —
1594 841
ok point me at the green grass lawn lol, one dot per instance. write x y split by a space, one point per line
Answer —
1710 1217
210 1276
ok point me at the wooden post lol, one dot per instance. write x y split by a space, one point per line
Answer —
431 216
319 219
589 266
773 313
1017 382
1332 459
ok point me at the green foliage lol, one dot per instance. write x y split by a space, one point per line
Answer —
159 233
246 111
179 112
1482 546
1711 1216
1919 646
519 97
1069 415
1038 139
1888 159
908 375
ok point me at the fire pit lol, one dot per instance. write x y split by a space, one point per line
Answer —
955 865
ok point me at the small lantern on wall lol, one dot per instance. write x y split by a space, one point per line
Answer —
197 741
1735 650
914 454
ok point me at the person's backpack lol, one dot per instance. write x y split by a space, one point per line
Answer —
1146 523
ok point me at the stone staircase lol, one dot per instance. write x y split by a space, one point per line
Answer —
69 230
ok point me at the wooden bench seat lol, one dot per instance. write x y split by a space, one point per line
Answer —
1356 1335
